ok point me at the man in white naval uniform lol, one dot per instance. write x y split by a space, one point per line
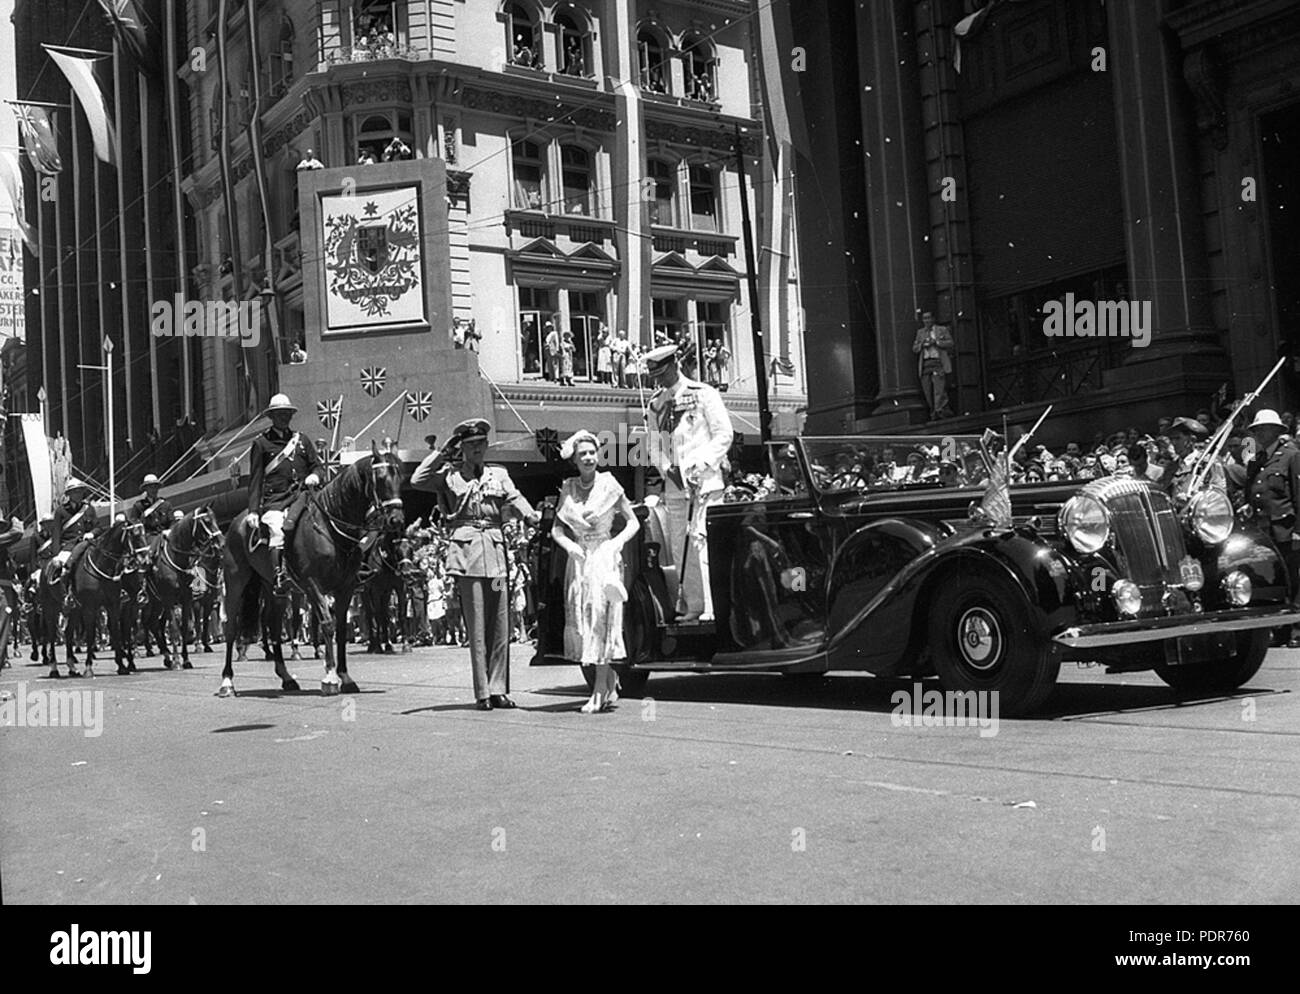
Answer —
694 437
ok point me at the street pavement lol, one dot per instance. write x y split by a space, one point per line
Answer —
718 789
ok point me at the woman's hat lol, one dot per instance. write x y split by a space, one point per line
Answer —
570 445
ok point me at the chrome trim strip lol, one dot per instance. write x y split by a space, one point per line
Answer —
1120 633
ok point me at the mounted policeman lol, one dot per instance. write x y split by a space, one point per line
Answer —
282 464
72 529
151 509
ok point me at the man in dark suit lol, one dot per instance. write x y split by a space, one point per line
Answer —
1273 485
281 463
933 346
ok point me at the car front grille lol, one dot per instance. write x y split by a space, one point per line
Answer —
1146 533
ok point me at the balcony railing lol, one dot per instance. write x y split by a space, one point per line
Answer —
534 224
346 55
1039 377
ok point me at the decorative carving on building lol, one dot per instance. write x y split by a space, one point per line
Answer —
286 134
458 187
591 118
377 91
695 137
1202 75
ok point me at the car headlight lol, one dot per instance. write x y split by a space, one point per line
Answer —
1128 596
1085 522
1237 588
1211 517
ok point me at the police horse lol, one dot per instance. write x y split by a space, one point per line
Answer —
169 584
383 580
322 554
96 585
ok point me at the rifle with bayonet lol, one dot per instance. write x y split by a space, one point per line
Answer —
1214 448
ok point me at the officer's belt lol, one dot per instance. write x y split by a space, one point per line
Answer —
482 524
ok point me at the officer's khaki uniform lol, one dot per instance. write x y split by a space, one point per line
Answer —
473 511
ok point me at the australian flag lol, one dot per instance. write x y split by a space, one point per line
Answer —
372 380
328 411
419 404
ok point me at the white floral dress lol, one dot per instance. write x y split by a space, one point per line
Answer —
593 625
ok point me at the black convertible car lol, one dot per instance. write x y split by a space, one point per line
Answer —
856 554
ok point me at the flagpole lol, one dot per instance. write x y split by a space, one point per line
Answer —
228 183
178 196
76 51
79 443
264 199
127 364
36 103
58 275
142 105
100 278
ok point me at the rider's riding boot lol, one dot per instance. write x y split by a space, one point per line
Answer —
281 577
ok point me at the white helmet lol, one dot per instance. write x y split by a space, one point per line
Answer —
280 402
1266 418
75 484
151 480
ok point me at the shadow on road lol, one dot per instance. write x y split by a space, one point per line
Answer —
854 692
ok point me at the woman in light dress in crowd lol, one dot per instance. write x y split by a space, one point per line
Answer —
593 578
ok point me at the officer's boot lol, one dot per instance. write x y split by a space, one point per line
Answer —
277 564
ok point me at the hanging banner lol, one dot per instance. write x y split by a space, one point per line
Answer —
373 268
13 308
38 460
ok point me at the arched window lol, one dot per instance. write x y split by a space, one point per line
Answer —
579 191
282 57
380 134
575 46
523 37
529 162
704 199
654 70
700 65
663 206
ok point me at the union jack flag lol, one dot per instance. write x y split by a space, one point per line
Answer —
419 404
328 411
372 380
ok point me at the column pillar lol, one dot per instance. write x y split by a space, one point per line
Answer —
897 197
1162 205
632 231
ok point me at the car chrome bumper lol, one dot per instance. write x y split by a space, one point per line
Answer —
1118 633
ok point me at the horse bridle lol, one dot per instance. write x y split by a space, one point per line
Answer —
128 529
377 507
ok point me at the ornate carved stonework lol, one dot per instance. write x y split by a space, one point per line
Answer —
1202 75
286 134
591 118
377 91
458 186
684 134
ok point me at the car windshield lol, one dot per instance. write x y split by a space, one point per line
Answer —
892 462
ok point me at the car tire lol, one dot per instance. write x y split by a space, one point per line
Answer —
1220 677
982 638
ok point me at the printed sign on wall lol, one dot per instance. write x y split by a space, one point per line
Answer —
373 269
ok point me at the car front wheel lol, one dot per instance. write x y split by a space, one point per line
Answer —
983 639
1220 677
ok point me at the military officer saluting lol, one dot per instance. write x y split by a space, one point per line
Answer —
473 499
72 528
281 463
1184 433
1273 487
694 437
152 510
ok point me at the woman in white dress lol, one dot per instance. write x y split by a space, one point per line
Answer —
593 578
